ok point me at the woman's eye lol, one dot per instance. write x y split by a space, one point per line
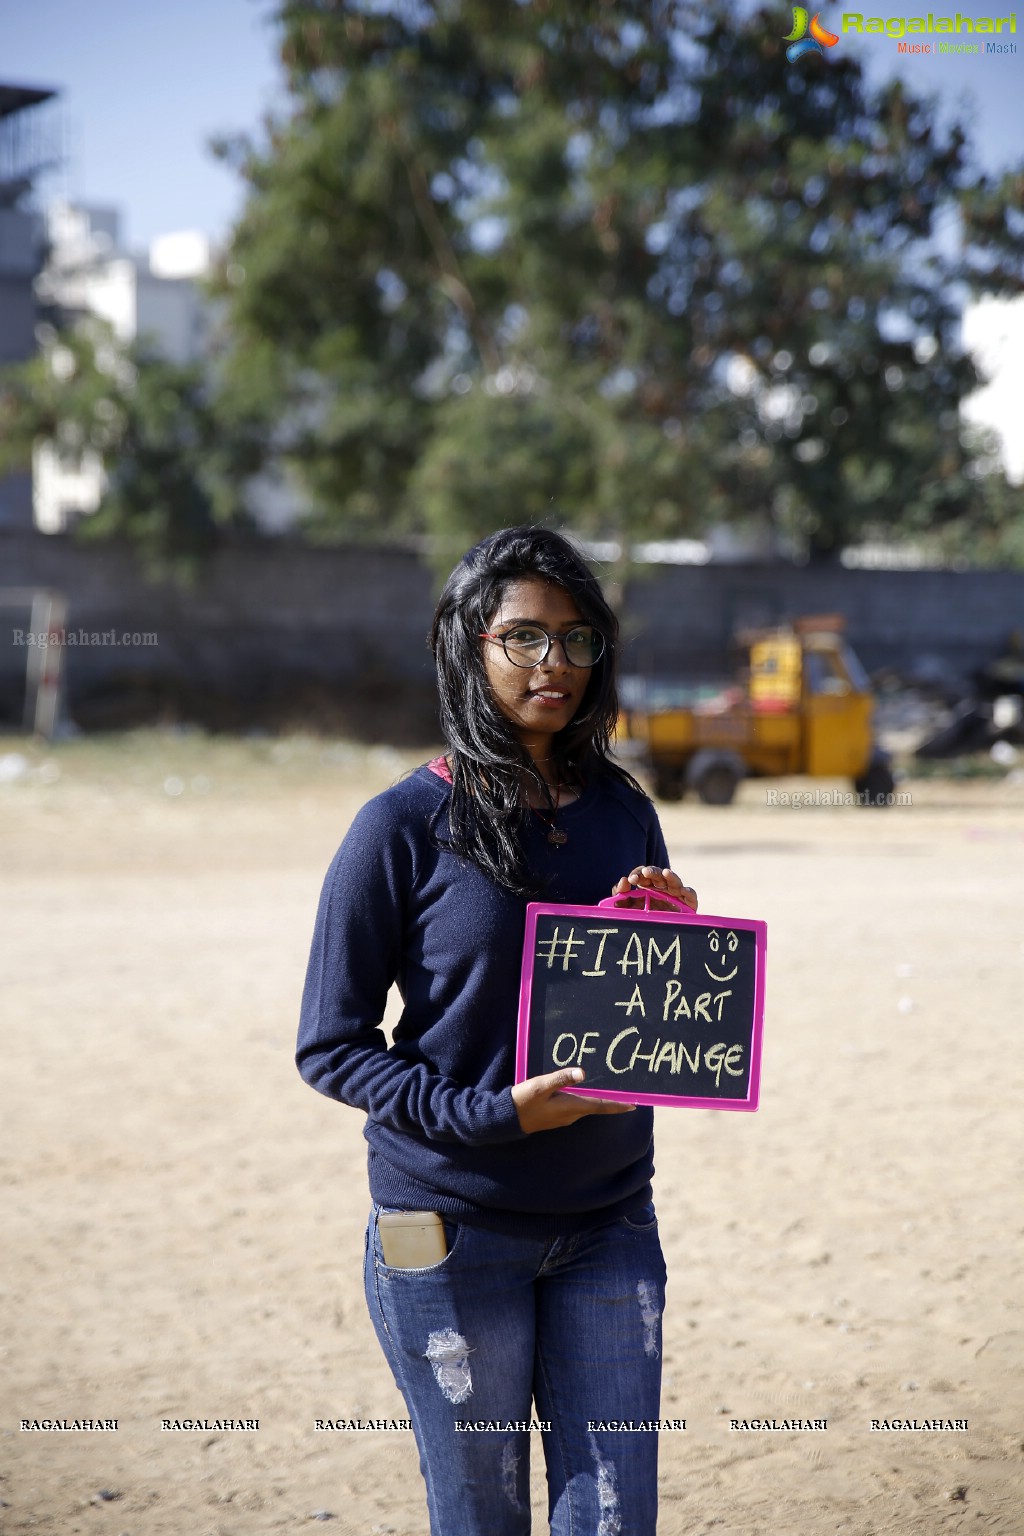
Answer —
525 639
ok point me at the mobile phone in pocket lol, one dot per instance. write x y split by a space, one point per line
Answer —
411 1239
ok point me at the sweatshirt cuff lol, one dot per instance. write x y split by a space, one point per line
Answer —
503 1122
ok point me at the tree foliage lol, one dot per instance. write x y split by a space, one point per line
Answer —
174 459
617 258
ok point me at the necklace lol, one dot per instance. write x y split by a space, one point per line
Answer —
555 835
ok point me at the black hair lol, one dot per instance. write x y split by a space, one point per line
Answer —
488 762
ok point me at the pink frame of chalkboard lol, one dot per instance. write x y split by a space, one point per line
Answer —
680 913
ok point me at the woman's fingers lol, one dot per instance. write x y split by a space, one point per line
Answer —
650 877
542 1106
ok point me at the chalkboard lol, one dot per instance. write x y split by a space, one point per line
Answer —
657 1007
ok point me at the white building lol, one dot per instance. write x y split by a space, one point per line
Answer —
155 297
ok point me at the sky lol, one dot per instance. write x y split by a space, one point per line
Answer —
144 85
983 89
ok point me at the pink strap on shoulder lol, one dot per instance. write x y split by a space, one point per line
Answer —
439 765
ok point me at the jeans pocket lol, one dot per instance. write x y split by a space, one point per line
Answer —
452 1233
643 1219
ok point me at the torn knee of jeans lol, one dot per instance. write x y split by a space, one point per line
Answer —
650 1314
609 1519
448 1354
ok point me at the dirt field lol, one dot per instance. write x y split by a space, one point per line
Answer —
183 1217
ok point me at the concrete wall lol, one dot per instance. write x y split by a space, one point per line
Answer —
277 630
272 631
930 621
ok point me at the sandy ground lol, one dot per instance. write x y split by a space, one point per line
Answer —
183 1217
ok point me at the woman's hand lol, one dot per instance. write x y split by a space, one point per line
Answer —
541 1106
649 877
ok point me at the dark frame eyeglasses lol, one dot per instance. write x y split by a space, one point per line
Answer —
582 646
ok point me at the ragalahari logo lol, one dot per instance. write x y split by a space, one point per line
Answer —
800 44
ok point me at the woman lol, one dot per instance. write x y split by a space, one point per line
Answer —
547 1284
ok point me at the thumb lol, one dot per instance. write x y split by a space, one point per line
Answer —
565 1077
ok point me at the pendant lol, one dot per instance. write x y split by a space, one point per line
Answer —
558 837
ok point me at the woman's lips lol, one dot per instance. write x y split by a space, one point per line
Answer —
550 698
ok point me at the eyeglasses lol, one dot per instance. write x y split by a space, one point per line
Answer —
528 644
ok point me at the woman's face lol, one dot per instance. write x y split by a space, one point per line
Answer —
538 700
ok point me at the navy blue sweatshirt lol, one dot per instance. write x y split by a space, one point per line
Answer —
442 1128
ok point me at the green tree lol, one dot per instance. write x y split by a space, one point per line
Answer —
617 259
174 462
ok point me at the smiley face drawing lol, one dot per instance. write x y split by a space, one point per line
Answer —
724 949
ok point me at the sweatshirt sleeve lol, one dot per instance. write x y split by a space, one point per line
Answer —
354 959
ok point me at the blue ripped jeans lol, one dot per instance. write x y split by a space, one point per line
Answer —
571 1324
